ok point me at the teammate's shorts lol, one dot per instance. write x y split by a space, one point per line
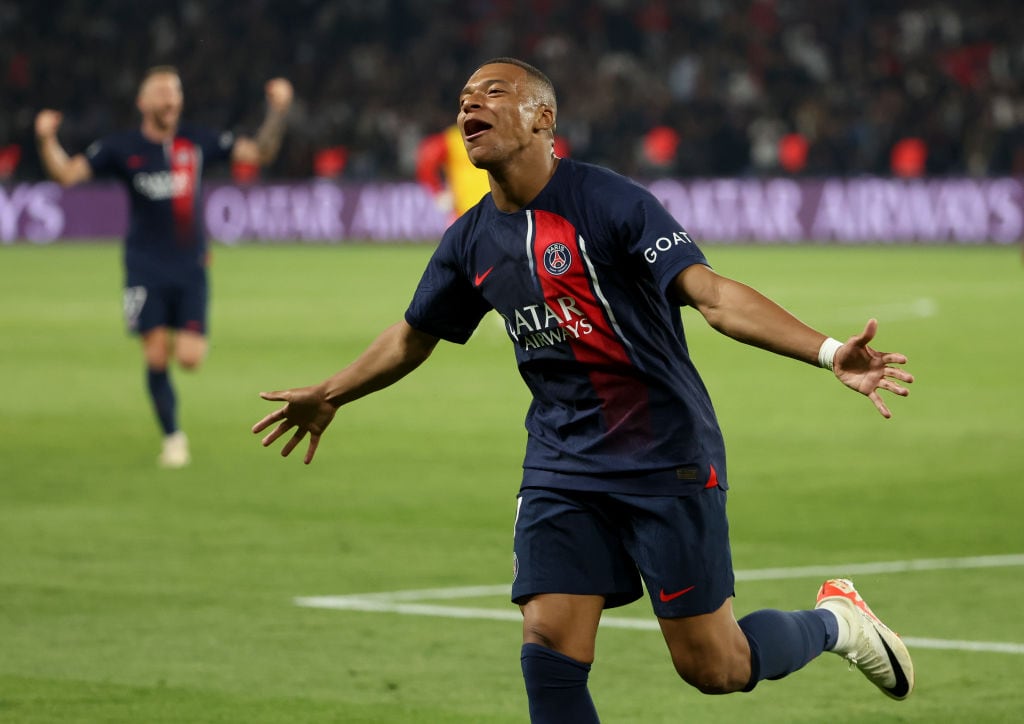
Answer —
568 541
179 304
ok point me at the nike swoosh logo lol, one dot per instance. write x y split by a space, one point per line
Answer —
479 278
902 686
666 597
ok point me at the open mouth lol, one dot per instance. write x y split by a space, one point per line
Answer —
473 127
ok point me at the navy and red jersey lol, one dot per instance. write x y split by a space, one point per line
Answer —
165 230
581 277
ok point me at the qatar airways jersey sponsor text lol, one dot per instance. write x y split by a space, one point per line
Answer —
162 185
542 325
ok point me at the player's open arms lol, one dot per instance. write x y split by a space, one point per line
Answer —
262 150
746 315
396 352
65 170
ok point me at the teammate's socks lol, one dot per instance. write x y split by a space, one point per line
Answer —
556 686
783 641
162 394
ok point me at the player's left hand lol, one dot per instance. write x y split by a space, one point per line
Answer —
305 410
867 371
279 94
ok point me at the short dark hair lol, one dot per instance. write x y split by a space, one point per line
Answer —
535 73
159 70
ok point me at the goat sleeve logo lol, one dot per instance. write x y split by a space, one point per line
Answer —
557 258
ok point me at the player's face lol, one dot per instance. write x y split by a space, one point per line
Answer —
160 100
497 112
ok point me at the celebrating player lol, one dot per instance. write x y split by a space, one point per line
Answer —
165 251
625 473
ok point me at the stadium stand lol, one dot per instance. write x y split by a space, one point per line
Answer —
733 78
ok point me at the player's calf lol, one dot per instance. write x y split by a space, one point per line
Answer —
721 673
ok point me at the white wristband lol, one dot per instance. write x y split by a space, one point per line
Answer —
827 352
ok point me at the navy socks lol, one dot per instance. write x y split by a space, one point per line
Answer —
162 394
783 641
780 643
557 687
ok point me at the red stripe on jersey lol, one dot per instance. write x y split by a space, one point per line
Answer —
184 164
564 280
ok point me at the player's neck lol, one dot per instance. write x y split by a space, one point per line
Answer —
156 134
517 184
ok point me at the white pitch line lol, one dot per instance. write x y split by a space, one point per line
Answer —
440 594
350 603
921 308
636 624
409 602
852 569
760 574
997 647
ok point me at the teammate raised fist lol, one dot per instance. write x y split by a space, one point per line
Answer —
47 123
279 94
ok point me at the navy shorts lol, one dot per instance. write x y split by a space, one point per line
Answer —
177 304
604 544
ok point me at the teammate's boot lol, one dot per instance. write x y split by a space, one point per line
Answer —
876 650
175 451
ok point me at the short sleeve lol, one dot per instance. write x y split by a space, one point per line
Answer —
102 158
217 147
656 238
445 303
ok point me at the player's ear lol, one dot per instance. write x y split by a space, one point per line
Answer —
545 120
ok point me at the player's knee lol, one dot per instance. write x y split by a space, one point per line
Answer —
156 355
723 676
538 635
190 352
556 640
190 362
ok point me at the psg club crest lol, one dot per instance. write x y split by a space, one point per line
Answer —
557 258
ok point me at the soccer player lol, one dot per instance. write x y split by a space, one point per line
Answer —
625 473
165 250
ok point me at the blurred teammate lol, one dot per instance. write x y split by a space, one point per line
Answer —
625 474
443 167
165 250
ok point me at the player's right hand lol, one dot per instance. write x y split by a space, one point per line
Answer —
306 410
47 123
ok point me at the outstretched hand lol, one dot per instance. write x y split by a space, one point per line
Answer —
305 410
867 371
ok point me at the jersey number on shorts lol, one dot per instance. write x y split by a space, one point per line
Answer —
134 300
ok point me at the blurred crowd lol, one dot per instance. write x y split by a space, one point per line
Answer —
648 87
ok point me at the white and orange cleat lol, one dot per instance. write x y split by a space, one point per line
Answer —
174 453
866 642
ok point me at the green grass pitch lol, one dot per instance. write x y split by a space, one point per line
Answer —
133 594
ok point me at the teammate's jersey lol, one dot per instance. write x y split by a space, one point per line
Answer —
580 277
165 229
